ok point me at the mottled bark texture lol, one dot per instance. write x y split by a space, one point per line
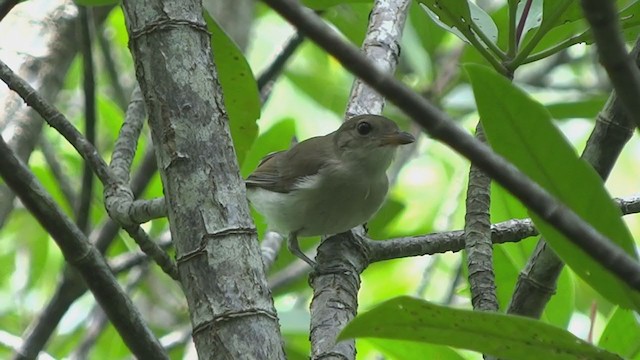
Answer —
477 237
341 258
220 268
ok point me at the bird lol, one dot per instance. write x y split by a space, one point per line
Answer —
327 184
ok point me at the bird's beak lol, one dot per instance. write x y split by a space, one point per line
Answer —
399 138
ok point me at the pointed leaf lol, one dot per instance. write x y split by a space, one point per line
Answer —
241 97
504 336
520 129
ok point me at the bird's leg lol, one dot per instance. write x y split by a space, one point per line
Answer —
294 247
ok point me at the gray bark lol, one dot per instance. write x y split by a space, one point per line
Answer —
219 261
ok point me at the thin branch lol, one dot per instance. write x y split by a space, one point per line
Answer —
507 231
441 127
269 248
64 181
268 77
21 126
58 121
623 73
427 275
110 67
523 20
81 255
71 286
477 235
83 209
540 32
512 230
98 320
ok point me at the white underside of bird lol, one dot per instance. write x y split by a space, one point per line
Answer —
317 207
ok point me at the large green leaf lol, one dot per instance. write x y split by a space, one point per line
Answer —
587 107
402 350
241 97
621 334
505 336
520 129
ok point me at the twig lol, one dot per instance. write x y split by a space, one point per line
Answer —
110 67
64 181
268 77
98 320
477 235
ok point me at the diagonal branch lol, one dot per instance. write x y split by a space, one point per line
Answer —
623 73
441 127
81 255
71 286
83 208
58 121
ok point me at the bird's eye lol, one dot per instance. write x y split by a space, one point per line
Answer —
364 128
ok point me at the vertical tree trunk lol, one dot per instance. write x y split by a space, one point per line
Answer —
221 271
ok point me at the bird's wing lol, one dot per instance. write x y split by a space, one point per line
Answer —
281 171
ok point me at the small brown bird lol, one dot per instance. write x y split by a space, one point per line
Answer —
327 184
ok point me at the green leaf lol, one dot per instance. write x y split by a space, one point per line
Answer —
351 19
453 16
504 336
241 96
520 129
585 108
278 137
621 334
402 349
484 22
